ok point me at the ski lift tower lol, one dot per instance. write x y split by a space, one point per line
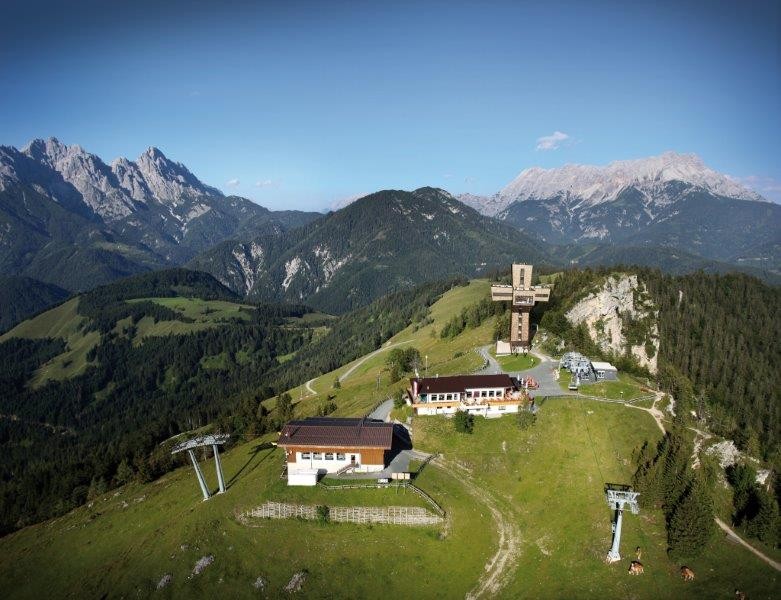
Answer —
618 498
214 441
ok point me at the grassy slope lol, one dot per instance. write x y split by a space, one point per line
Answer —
64 322
552 478
549 480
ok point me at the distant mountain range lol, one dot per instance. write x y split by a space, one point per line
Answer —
383 242
71 221
68 218
672 200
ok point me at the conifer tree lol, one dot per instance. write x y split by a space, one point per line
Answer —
764 524
676 475
690 524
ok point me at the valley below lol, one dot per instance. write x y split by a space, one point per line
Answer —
525 514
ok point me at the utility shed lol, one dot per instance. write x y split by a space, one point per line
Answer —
323 445
604 370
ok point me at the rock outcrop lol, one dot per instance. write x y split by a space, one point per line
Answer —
621 318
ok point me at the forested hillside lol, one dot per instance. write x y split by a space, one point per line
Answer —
718 346
90 392
385 242
92 387
721 333
21 297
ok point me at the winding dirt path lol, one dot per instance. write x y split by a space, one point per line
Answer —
657 414
776 565
499 570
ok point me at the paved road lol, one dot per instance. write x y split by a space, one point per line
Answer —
311 391
544 373
349 371
382 412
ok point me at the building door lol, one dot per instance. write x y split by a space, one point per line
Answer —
352 458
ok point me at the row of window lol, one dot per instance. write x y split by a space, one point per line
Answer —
469 394
320 455
486 394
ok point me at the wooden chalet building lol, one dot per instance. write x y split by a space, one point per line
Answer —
487 395
319 445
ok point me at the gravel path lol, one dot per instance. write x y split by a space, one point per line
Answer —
500 568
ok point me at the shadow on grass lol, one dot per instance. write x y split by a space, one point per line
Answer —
254 453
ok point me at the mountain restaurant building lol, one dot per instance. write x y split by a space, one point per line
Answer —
319 445
487 395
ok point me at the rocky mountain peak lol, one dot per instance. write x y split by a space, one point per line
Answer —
591 185
578 186
170 181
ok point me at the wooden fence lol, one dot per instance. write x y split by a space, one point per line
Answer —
390 515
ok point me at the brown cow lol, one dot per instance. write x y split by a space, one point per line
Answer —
636 568
687 574
740 595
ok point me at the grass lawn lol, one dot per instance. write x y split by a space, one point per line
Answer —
514 363
626 388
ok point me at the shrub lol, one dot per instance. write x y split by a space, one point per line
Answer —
463 422
326 408
323 514
526 419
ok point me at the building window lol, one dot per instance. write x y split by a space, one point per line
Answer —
317 455
469 394
449 397
483 394
329 455
502 408
490 393
340 456
305 456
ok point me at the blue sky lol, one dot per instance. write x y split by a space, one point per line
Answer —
301 104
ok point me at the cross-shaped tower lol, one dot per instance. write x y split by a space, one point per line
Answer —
523 296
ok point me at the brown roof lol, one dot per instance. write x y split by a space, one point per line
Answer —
333 432
460 383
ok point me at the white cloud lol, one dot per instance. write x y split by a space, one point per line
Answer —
232 182
553 141
768 187
262 183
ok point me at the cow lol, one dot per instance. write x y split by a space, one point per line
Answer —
740 595
636 568
687 574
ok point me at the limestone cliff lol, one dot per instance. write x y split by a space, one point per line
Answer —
621 318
